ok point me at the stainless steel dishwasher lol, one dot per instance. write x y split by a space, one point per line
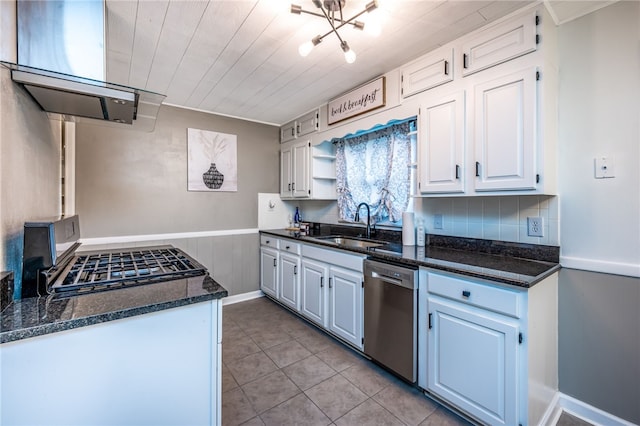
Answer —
390 316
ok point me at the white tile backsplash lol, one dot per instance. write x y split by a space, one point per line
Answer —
494 218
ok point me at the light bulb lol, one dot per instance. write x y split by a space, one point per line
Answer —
350 56
305 48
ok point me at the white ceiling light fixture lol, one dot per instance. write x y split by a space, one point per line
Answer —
332 12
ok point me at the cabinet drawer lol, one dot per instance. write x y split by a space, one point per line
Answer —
340 258
484 296
289 246
269 241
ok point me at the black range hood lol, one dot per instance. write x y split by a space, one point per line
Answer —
61 64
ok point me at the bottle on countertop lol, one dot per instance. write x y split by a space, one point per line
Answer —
420 237
296 219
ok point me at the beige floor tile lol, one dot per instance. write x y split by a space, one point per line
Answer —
256 421
567 419
309 372
444 417
368 378
339 357
269 391
336 396
287 353
251 367
369 413
236 408
269 338
406 403
228 382
235 348
298 328
315 341
299 410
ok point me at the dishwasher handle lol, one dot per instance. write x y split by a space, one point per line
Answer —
386 278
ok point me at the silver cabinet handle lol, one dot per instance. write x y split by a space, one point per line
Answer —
295 269
321 282
330 286
275 263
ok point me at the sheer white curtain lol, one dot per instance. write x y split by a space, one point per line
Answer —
374 168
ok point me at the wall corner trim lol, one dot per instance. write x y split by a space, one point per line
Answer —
603 266
582 410
171 236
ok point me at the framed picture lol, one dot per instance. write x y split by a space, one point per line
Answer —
212 161
358 101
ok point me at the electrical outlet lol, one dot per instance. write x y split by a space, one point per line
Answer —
535 227
437 221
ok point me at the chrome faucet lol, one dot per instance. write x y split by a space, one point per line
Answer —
357 217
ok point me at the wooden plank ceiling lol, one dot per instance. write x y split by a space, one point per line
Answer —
240 57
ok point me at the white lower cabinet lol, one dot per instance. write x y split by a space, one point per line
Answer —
288 288
345 305
269 271
323 285
473 361
313 300
492 349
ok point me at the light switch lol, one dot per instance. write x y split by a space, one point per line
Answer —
604 167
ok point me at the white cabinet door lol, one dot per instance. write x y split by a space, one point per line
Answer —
288 132
288 290
499 43
269 271
286 177
429 71
441 145
472 361
300 185
307 123
505 132
345 305
312 287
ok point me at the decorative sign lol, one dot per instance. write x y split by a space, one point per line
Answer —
358 101
212 161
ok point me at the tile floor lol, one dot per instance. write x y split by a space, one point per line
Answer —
279 370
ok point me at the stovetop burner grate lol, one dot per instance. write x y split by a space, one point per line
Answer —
127 267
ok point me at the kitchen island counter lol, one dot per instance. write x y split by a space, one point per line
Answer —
38 316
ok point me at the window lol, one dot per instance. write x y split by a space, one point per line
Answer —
377 167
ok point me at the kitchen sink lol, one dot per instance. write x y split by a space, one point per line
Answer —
351 242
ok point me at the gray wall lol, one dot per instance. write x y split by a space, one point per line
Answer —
29 170
599 341
135 183
599 317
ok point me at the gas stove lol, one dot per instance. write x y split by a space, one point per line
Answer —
105 270
52 264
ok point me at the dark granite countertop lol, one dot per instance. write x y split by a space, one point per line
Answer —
37 316
514 264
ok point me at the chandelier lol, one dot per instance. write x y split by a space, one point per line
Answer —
332 12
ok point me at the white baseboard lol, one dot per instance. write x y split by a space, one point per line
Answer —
242 297
582 410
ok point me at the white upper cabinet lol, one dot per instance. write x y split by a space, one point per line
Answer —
499 43
427 72
288 132
499 136
441 145
294 169
301 126
307 123
505 132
